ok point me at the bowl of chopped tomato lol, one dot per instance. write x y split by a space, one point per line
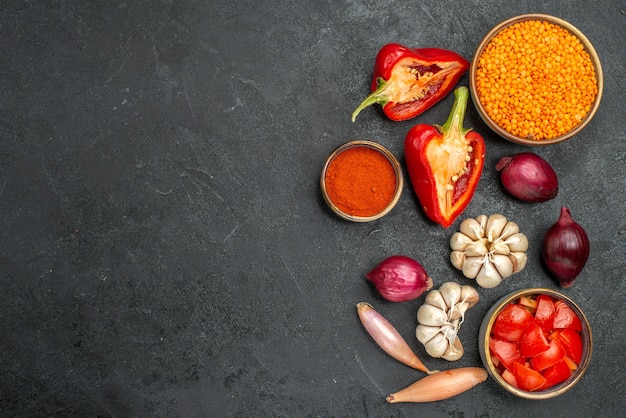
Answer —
536 343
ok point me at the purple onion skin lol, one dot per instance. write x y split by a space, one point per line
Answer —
400 279
565 249
528 177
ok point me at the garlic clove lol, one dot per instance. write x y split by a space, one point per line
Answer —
495 225
471 227
450 332
469 295
499 247
476 248
459 241
482 221
452 329
509 229
471 266
425 333
488 277
520 261
436 346
457 258
454 351
503 264
458 311
517 242
435 298
431 315
451 292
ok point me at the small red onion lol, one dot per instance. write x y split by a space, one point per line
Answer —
400 279
565 249
528 177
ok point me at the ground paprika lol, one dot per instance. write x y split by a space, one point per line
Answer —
360 181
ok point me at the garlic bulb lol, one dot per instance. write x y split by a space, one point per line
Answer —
488 249
440 318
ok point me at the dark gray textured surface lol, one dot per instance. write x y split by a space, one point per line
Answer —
165 249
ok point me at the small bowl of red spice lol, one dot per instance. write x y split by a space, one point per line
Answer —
361 181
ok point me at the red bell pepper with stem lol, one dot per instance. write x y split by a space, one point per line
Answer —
408 81
445 163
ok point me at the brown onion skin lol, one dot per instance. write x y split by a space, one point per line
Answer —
400 279
528 177
565 249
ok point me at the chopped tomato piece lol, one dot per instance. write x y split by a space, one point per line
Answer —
570 363
572 343
564 317
496 362
509 378
544 315
534 342
554 335
511 323
528 302
505 351
555 374
527 379
550 357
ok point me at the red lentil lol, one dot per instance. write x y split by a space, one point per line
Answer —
536 80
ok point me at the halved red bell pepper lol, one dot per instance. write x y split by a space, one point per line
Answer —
408 81
445 163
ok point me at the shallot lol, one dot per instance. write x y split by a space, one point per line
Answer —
388 338
565 249
528 177
440 385
399 279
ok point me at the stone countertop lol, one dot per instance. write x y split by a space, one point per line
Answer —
165 247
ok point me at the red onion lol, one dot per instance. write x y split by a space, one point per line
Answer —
400 279
528 177
565 249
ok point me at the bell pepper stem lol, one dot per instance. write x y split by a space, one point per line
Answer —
454 125
376 97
